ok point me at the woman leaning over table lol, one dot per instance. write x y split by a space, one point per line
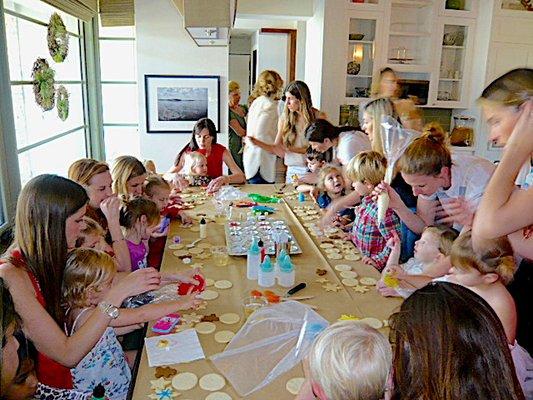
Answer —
204 140
48 207
237 122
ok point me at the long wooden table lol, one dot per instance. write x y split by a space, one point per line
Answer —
331 305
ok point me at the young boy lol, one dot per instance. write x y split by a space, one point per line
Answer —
431 260
361 373
315 161
366 170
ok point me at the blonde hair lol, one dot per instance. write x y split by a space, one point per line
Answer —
427 155
511 89
124 169
85 268
149 165
446 236
91 228
290 119
232 86
493 256
377 109
376 85
83 170
154 181
269 84
132 210
192 159
325 171
351 361
367 166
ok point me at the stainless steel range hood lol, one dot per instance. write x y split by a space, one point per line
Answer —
208 22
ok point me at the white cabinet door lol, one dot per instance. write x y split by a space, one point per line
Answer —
507 56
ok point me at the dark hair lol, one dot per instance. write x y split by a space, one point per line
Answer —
132 210
314 155
201 124
8 314
322 129
449 344
43 207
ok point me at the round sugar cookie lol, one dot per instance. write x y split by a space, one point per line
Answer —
196 250
209 282
212 382
368 281
184 381
342 267
229 318
331 250
352 257
293 385
334 256
326 245
224 336
205 328
208 295
348 274
373 322
218 396
180 253
350 282
223 284
176 246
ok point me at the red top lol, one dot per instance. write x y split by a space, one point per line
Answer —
214 160
49 372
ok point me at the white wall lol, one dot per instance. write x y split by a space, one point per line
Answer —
314 44
164 47
273 53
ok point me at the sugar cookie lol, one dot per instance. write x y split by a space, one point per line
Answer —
293 385
342 267
218 396
205 328
212 382
209 282
208 295
176 246
367 281
223 284
184 381
224 336
229 318
348 274
349 282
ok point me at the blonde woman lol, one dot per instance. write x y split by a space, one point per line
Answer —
128 177
259 162
237 122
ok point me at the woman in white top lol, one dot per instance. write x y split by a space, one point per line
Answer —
290 142
259 163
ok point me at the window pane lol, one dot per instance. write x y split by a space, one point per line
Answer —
121 140
26 41
52 158
119 103
41 11
32 124
117 60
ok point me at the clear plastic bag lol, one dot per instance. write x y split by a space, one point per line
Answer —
227 193
282 334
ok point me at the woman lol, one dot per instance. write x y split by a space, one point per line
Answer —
128 175
102 207
237 122
48 220
204 140
448 344
259 163
290 142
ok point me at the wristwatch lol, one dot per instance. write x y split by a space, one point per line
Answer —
109 309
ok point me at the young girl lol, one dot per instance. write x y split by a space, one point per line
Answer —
128 177
89 274
366 170
331 186
431 260
93 237
196 169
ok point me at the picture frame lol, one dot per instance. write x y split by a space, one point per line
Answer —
175 102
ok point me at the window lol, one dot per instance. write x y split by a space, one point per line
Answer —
44 142
119 91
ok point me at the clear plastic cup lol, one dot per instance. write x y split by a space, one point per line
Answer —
220 256
252 303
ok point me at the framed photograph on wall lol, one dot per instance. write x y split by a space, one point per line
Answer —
175 102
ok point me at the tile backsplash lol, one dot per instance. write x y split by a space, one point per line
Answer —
441 115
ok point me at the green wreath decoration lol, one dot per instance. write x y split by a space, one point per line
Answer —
43 84
57 38
62 102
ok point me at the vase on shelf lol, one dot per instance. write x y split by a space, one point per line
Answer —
353 68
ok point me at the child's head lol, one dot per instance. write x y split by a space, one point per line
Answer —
128 176
149 165
158 190
140 214
350 360
89 274
366 170
24 385
330 180
195 164
492 261
315 160
435 242
93 237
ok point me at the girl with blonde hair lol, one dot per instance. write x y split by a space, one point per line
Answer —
259 163
128 177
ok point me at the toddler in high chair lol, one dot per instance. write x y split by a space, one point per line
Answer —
431 260
331 186
195 168
348 360
315 161
366 170
88 275
486 271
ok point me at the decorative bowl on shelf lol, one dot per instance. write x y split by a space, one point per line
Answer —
453 38
353 68
356 36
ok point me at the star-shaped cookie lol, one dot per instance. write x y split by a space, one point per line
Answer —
331 287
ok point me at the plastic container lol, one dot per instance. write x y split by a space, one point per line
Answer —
267 275
301 197
253 261
286 274
203 229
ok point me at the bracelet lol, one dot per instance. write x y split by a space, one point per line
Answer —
117 240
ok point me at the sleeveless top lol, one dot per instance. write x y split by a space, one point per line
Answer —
234 140
105 364
138 255
49 372
214 160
